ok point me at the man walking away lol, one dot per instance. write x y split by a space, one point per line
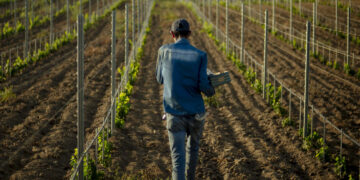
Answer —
182 69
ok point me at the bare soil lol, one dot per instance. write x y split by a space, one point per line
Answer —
243 138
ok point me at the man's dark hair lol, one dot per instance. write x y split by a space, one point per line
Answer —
181 27
183 34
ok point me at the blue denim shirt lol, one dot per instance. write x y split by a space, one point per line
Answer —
182 69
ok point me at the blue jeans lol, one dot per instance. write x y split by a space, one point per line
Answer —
179 129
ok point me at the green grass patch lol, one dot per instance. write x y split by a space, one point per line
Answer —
7 94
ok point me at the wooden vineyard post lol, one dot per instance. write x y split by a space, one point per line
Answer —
341 149
103 7
26 51
274 96
314 26
51 22
89 11
290 95
2 65
56 5
80 93
273 16
67 16
80 7
265 54
96 146
133 27
209 11
336 17
242 33
97 9
300 7
203 7
249 8
113 70
227 28
15 16
312 120
102 145
32 10
348 37
260 9
126 43
143 12
306 90
217 19
291 25
138 16
281 92
324 135
341 142
300 119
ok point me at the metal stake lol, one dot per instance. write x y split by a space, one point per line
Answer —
314 26
113 69
348 38
126 42
291 25
273 16
290 95
217 19
265 55
227 27
336 17
51 22
133 28
242 33
80 93
67 16
26 30
312 120
306 93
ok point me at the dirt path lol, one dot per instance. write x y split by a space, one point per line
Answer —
38 131
243 138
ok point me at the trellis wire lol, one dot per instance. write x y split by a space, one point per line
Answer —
324 120
42 42
120 88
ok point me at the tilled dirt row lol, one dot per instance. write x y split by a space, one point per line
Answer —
299 24
335 95
242 139
38 131
326 15
36 32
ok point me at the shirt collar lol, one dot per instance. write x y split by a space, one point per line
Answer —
182 41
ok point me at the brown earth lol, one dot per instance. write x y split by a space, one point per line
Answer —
38 127
242 139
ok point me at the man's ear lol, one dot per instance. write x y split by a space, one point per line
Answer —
172 33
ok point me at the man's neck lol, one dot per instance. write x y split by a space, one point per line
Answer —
179 38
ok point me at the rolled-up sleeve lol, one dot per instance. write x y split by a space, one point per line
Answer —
204 83
159 76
